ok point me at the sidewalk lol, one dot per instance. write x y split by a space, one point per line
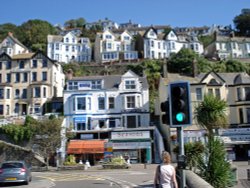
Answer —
242 167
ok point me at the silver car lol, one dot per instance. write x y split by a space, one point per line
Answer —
15 171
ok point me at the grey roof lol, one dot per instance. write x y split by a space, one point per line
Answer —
232 39
229 78
55 38
110 81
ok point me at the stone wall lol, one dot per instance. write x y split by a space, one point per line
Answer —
13 152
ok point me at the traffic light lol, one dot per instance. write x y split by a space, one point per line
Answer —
180 104
165 111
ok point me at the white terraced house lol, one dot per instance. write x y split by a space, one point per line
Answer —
69 48
159 46
111 46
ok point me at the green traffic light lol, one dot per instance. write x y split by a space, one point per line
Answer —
180 117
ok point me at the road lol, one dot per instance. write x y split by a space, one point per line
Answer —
139 176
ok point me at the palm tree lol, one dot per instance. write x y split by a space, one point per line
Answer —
211 114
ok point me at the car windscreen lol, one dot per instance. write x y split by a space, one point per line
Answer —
12 165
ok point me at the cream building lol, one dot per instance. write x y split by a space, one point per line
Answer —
27 81
224 47
231 87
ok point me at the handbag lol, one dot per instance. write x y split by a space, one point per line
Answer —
158 185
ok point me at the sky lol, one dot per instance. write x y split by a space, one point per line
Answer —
176 13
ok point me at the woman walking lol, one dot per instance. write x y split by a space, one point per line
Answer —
165 175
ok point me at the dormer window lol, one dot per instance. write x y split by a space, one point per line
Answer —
97 84
67 40
108 37
130 84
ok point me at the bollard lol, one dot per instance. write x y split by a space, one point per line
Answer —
145 165
248 174
248 162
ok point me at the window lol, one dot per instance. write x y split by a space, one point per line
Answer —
81 126
21 65
108 37
1 93
17 93
111 102
44 92
37 108
44 76
8 94
139 121
8 78
248 115
67 40
73 48
131 121
241 116
81 103
17 77
247 93
101 124
37 92
57 46
73 86
109 46
45 63
198 94
159 45
96 84
34 63
101 103
130 84
111 123
1 65
1 110
8 65
210 91
130 101
66 48
126 38
25 77
24 94
0 78
152 43
34 76
217 93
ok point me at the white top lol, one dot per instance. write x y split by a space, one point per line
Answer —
166 174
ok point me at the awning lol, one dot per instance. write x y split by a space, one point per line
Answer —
85 146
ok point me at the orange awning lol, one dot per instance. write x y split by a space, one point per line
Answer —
85 146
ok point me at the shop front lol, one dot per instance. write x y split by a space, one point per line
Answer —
135 145
86 150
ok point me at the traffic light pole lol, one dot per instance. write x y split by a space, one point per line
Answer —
181 153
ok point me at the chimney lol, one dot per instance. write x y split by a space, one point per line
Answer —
165 68
69 74
10 34
194 64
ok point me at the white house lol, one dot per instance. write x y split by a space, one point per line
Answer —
159 46
111 46
12 46
114 108
68 48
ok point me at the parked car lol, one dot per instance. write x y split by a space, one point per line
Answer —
15 171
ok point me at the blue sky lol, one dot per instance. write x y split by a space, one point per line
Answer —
146 12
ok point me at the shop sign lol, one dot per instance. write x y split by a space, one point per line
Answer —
130 135
131 145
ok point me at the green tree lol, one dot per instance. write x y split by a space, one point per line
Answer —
74 23
6 28
235 66
213 167
211 113
48 136
182 62
242 24
33 34
206 40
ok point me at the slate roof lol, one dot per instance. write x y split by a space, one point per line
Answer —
111 82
